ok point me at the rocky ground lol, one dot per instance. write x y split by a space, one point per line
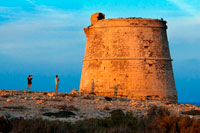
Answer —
74 106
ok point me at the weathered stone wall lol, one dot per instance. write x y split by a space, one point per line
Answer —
128 58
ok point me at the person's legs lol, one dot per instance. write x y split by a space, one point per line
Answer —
29 86
56 88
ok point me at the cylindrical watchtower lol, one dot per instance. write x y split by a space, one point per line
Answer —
128 57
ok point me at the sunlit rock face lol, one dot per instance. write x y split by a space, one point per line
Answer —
128 57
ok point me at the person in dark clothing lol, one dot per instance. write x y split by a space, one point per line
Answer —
29 82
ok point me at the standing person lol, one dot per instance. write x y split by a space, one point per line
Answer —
56 83
29 82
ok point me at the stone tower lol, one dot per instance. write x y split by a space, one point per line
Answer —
128 57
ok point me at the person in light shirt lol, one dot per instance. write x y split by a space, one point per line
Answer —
56 83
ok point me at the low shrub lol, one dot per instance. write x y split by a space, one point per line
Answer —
118 117
5 125
157 112
15 107
40 126
92 93
106 108
108 98
192 112
5 96
61 114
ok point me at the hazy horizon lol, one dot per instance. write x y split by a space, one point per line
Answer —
46 38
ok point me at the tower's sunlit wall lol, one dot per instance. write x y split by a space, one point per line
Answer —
128 57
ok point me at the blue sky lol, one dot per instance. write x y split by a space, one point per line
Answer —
45 38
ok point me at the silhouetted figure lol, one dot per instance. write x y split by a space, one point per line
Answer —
92 87
56 83
29 82
115 91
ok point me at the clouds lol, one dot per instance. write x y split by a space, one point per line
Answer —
42 32
188 6
184 30
32 2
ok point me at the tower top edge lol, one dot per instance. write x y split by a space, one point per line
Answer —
98 19
136 18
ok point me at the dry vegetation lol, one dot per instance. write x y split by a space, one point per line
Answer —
158 120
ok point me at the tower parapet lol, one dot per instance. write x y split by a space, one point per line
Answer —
96 17
128 57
